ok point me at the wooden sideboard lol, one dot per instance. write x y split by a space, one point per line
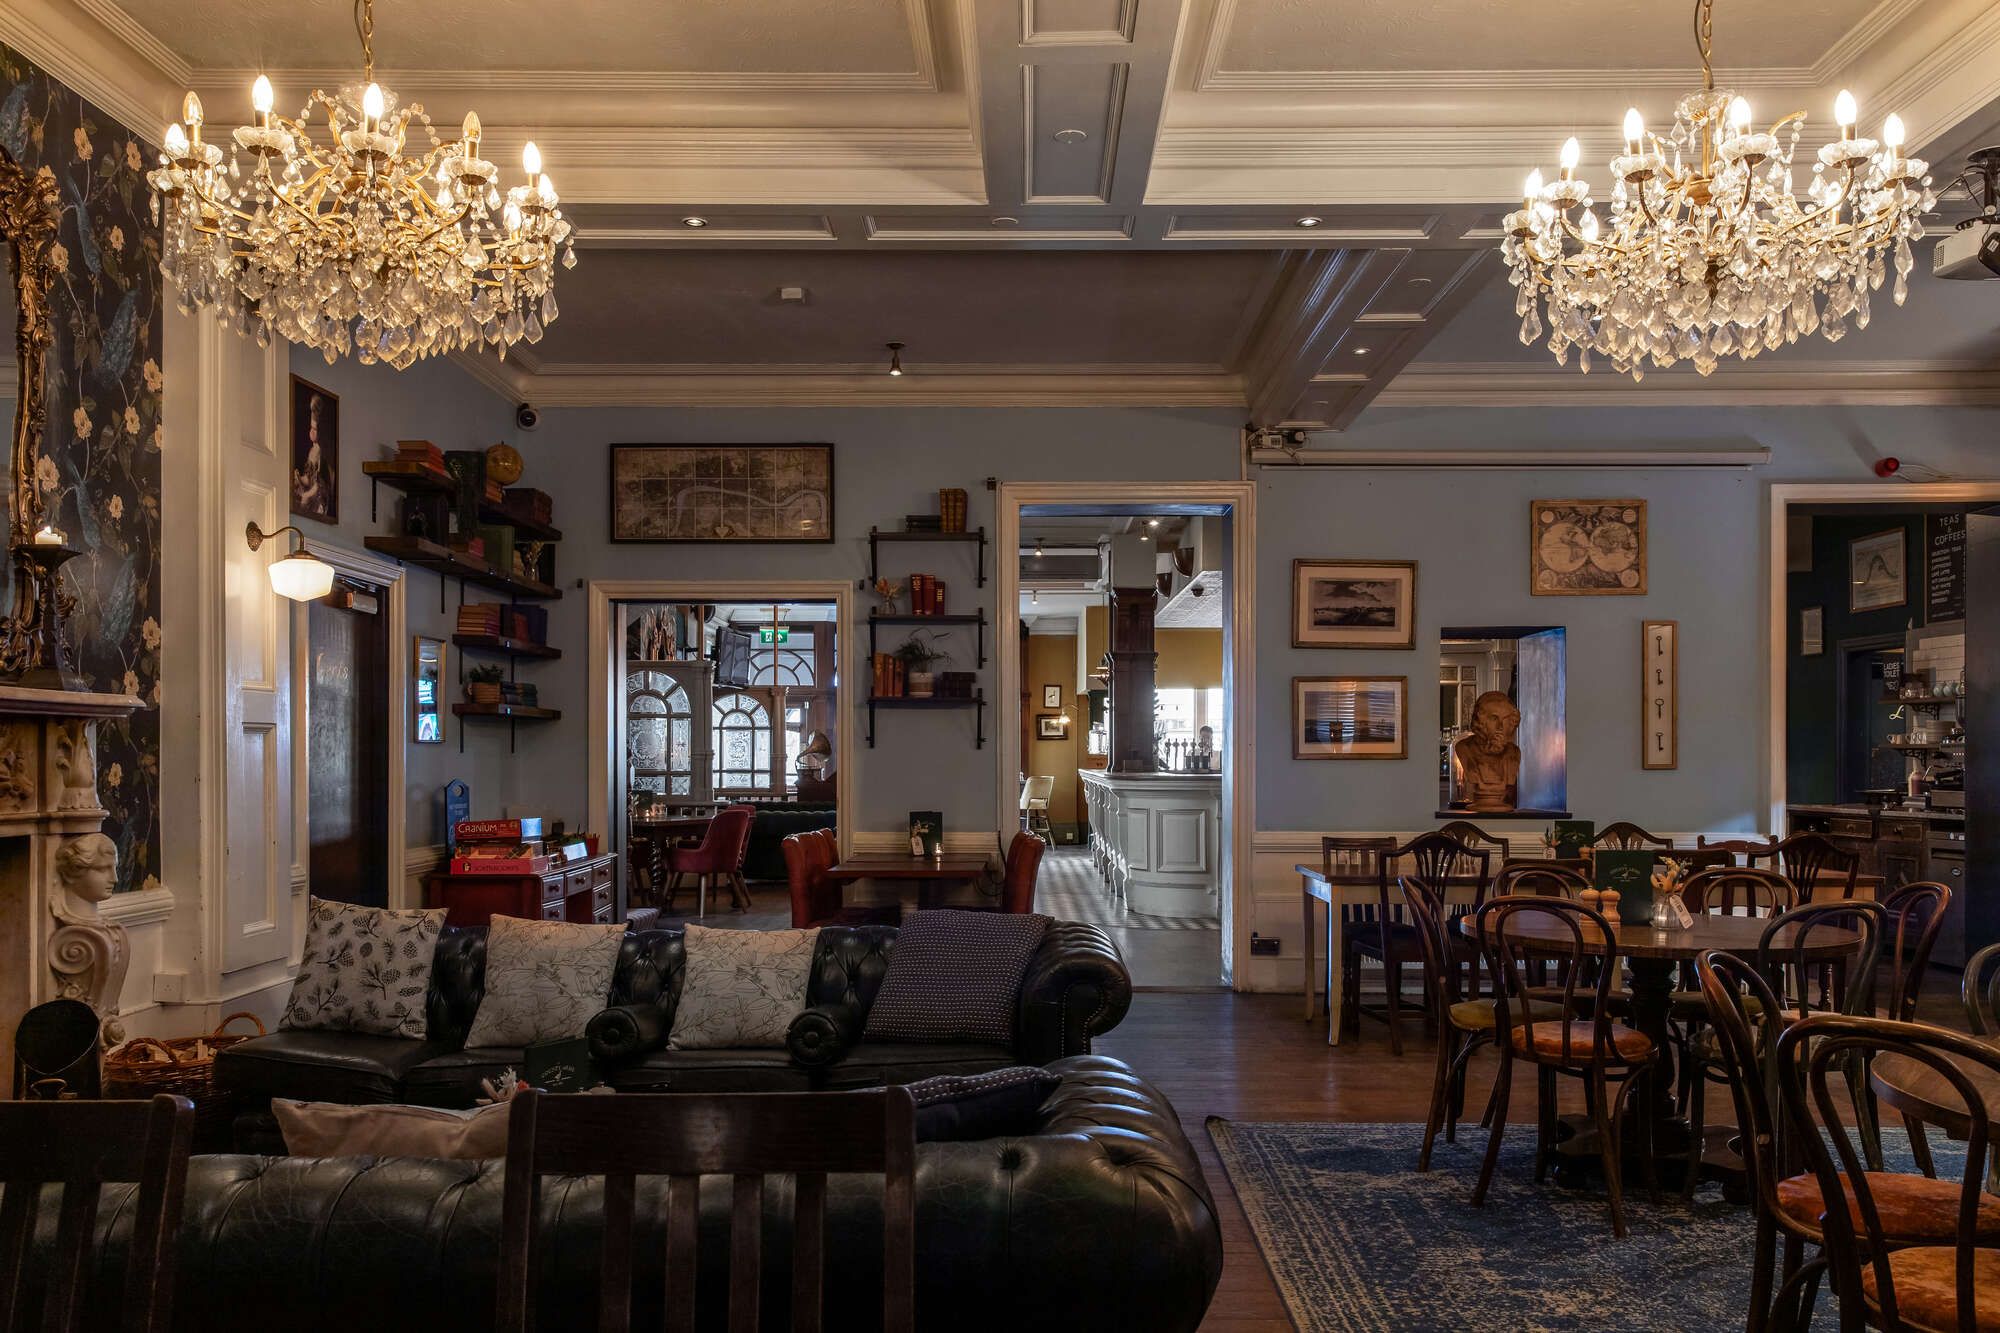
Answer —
582 891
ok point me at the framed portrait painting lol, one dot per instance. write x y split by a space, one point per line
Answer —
1350 717
1877 571
315 452
1587 548
1354 603
721 492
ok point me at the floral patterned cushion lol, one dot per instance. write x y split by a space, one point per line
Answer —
742 988
545 980
364 969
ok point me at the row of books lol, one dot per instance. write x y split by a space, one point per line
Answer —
950 516
497 620
891 677
926 595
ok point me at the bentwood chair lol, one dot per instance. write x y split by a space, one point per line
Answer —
1578 1038
683 1137
1887 1273
1914 914
1738 850
1548 879
1379 930
1981 992
79 1146
1624 836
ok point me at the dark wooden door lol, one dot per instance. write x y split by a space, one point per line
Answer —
347 764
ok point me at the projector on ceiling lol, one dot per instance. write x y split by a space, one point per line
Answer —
1971 253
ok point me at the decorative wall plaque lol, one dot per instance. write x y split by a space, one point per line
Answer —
1660 667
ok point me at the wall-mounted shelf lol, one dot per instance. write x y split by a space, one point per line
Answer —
979 621
876 537
976 702
508 713
427 554
494 645
416 479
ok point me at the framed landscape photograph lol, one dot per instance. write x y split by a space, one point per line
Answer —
1052 726
1587 548
1877 571
721 492
1350 717
315 452
1354 603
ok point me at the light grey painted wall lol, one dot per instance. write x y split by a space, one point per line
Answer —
433 401
1467 530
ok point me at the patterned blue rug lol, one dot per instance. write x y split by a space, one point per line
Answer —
1358 1240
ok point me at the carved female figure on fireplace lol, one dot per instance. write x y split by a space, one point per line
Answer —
88 954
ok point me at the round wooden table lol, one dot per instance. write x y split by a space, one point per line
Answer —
1920 1092
1654 957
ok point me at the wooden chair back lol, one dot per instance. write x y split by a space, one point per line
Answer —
1353 861
1826 1044
1425 905
1474 836
1915 914
1023 867
1547 879
1745 1045
684 1136
1981 992
1519 958
1625 836
1438 860
1739 891
80 1146
1740 851
1805 857
1791 969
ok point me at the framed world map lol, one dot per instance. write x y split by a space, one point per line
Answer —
721 492
1587 548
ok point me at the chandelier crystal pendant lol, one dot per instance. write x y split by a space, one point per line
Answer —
336 238
1703 249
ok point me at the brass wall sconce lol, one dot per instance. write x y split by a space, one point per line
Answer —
301 575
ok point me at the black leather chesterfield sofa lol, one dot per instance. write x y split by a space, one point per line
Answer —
1075 988
1097 1219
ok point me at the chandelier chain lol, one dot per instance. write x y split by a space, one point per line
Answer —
1704 40
364 23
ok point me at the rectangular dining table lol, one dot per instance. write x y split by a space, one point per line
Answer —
931 874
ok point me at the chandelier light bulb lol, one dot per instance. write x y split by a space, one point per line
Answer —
1846 113
531 159
1739 115
470 130
191 112
545 191
175 141
1588 226
1635 129
1892 131
1533 186
1572 153
261 96
372 105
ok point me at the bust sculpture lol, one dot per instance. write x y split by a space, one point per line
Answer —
1486 765
87 953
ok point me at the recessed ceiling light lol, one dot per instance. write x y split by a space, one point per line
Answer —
1006 222
1362 351
693 221
1420 282
1070 136
1309 220
1152 522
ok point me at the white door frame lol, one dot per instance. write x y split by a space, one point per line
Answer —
362 567
1239 777
1783 495
605 686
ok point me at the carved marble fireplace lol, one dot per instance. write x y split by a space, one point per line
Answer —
56 865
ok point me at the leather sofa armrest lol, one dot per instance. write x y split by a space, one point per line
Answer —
1076 987
824 1033
626 1032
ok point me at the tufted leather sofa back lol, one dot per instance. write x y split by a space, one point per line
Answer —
458 983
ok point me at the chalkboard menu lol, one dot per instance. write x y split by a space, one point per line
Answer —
1944 567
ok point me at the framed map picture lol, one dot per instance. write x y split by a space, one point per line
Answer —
1354 603
1587 548
721 492
1878 571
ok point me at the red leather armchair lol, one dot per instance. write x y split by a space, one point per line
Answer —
815 898
1024 864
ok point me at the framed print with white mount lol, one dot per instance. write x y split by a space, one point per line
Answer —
1878 571
1052 696
1354 603
1350 717
1812 631
1660 671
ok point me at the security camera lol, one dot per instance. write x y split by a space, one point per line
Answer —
1972 250
526 417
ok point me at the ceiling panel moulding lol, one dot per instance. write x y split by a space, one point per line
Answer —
1059 99
1282 224
1078 22
1027 227
1483 459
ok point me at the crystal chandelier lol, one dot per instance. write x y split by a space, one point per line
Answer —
1703 249
344 243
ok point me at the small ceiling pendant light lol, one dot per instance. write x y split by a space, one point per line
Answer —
1038 548
1035 596
895 358
301 576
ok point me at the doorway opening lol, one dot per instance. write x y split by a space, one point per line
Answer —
1125 725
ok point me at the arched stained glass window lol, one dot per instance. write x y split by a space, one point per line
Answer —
742 728
659 734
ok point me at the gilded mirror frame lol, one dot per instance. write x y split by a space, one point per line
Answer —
29 213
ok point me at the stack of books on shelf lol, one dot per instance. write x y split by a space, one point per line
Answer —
494 620
528 503
953 685
926 595
890 673
923 523
499 847
480 618
423 453
520 693
951 509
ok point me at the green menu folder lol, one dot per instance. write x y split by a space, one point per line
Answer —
1572 836
1631 873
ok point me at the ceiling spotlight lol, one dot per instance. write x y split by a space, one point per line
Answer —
1035 596
1038 548
895 358
1363 351
692 221
1308 221
1070 136
1152 522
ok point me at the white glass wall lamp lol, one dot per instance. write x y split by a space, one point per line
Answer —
301 576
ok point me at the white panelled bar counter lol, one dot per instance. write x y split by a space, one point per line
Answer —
1157 839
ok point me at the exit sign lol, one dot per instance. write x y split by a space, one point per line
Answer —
774 634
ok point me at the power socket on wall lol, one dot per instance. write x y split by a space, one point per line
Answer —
1263 946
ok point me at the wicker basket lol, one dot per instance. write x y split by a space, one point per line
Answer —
183 1066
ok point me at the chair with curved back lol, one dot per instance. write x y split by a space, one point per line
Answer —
1472 835
1804 858
1024 861
1884 1275
1734 848
1914 914
815 898
1625 836
1036 792
1575 1035
1378 929
1547 879
1739 891
717 858
1981 992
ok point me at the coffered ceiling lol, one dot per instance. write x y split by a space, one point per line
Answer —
1271 204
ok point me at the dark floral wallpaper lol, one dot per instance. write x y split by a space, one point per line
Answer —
100 467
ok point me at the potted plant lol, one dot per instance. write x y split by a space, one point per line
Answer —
918 655
482 684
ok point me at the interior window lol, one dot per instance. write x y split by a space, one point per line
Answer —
742 743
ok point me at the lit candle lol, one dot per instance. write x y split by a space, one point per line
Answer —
372 107
48 536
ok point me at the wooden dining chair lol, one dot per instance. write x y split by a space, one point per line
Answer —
1980 992
1738 850
1884 1276
1912 917
1472 835
1387 935
1575 1037
1804 858
684 1136
80 1146
1624 836
1548 879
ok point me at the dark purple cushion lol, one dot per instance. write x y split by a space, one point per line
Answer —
955 976
959 1108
